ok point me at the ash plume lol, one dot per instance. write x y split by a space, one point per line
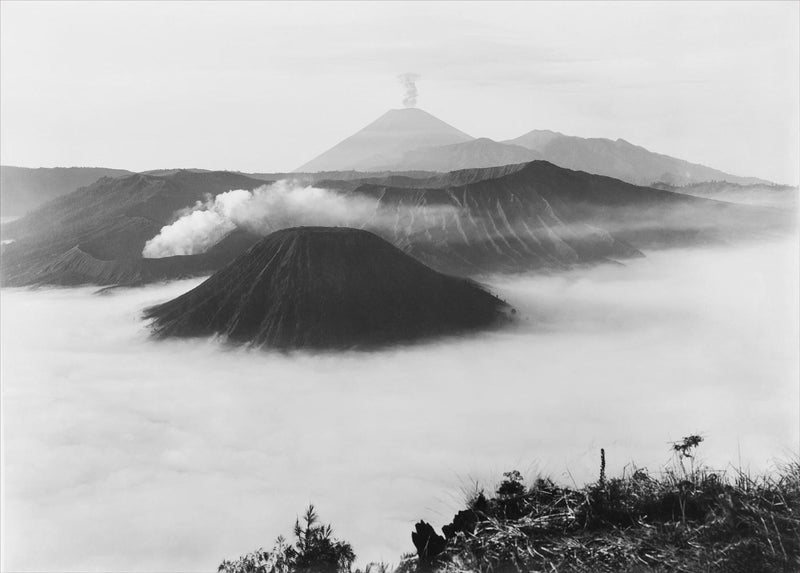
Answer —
409 80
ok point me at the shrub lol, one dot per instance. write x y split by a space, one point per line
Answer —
315 551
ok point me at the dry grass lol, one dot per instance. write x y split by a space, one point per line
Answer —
682 520
686 519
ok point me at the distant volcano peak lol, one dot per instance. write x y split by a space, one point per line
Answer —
385 140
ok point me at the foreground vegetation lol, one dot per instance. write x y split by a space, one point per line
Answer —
686 519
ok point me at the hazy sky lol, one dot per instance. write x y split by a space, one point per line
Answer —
267 86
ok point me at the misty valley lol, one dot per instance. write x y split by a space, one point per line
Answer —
639 315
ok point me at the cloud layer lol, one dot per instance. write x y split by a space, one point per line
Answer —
123 453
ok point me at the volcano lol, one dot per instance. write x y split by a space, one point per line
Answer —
326 287
385 140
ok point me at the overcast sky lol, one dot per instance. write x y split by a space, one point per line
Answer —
267 86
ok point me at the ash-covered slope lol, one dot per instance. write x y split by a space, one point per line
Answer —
110 221
385 140
620 159
323 287
539 215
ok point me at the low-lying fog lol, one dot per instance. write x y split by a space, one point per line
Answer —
123 453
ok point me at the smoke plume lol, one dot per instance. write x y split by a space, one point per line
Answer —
409 80
202 227
278 206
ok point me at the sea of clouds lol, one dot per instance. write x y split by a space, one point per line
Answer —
123 453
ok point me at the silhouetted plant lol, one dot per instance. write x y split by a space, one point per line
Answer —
685 449
315 551
429 544
510 498
602 468
511 486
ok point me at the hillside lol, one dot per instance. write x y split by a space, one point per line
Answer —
23 189
319 287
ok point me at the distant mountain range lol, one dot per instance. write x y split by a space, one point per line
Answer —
472 222
620 159
461 205
413 143
23 189
412 139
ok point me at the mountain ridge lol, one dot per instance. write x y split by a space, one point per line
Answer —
388 149
475 154
621 159
23 189
470 222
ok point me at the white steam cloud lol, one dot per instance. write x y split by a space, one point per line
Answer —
409 80
200 228
278 206
264 210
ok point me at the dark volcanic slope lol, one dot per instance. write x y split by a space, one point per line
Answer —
540 215
318 287
109 223
78 267
420 179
